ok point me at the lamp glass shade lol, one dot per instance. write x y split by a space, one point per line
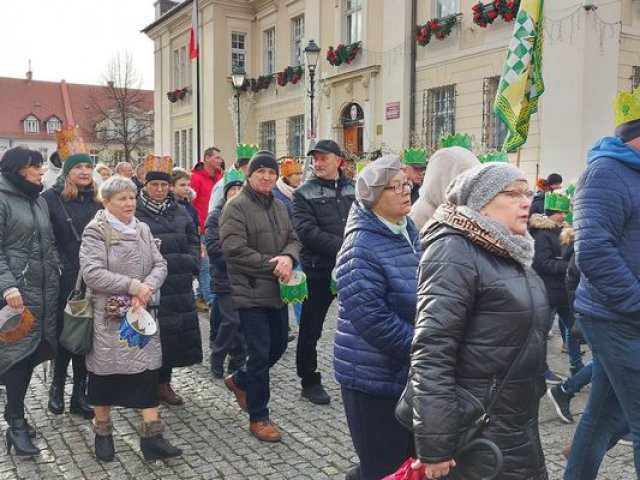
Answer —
237 77
312 52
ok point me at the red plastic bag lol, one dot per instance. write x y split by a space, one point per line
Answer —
405 472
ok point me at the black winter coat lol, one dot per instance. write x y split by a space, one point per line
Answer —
81 211
320 212
219 276
193 211
537 204
548 261
475 310
177 316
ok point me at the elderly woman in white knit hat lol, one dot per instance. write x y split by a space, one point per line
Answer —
444 165
376 279
480 332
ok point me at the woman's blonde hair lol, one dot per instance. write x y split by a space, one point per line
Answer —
70 190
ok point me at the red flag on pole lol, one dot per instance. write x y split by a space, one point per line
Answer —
194 44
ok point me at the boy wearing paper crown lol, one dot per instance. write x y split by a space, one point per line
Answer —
607 227
244 151
229 340
170 223
415 164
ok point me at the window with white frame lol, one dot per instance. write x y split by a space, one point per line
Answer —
297 40
439 113
270 51
183 148
181 68
446 7
295 134
31 124
353 17
53 124
635 78
189 147
238 51
268 136
494 130
176 147
93 153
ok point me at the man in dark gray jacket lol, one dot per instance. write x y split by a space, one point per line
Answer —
261 248
320 211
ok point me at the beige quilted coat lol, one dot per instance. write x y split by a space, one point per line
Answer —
132 260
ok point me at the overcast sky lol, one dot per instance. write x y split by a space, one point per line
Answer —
73 39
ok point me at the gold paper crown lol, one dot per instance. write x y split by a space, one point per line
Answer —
158 164
627 107
69 142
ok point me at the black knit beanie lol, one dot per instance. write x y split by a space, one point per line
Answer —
263 159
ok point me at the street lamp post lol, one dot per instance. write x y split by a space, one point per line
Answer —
312 53
237 78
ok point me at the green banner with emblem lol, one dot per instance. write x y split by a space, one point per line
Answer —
521 83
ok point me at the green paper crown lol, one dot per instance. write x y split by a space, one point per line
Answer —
415 157
246 150
557 202
570 190
233 176
494 157
569 217
626 107
458 140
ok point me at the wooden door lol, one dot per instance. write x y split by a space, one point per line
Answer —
353 139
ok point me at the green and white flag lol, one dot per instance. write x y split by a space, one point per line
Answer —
521 83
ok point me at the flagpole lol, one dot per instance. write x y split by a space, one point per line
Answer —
198 93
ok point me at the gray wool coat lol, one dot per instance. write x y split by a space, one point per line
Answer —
119 269
29 261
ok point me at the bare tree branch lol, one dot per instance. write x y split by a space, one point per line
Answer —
122 117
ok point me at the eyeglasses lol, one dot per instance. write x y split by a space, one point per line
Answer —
401 188
518 195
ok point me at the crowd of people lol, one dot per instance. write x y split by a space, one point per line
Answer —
448 275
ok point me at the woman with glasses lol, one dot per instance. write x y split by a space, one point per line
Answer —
173 227
376 277
481 308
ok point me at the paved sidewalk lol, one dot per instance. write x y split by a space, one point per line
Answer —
213 432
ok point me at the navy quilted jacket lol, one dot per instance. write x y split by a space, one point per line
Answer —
607 227
376 276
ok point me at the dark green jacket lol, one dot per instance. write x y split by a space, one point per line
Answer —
29 261
254 229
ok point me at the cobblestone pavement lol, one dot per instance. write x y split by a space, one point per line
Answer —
213 432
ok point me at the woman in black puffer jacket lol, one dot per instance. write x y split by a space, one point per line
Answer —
72 205
172 225
478 298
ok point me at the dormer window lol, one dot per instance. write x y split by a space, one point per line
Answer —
53 124
31 124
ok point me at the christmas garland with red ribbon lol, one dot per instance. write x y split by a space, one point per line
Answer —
486 14
343 53
289 75
178 94
440 28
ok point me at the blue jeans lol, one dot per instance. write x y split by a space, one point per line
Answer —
611 409
577 382
265 331
204 280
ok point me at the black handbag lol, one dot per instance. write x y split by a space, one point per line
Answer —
474 415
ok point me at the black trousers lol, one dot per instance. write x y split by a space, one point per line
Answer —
381 443
17 380
164 375
314 311
229 339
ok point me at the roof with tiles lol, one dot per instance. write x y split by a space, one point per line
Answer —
21 97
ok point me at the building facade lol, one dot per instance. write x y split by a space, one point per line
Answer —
32 110
394 93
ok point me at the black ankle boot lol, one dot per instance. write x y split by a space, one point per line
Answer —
105 450
79 405
153 445
30 430
18 438
56 396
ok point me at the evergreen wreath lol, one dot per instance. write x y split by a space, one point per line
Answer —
343 53
439 28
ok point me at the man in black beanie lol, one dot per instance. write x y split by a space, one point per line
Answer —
261 248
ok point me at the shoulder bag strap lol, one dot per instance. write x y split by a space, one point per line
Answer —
494 398
69 221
